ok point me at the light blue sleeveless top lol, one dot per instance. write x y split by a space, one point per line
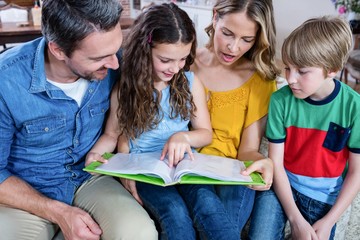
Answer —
155 139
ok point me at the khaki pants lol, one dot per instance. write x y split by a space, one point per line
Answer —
112 207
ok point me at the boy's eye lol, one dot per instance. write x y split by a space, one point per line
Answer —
301 72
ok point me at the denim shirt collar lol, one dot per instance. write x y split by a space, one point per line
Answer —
39 82
38 76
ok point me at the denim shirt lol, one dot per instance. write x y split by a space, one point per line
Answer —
44 134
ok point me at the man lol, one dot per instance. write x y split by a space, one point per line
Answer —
54 95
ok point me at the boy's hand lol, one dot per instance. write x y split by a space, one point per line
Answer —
93 157
302 230
322 229
130 185
176 147
266 168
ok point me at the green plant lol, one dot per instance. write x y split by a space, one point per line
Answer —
345 6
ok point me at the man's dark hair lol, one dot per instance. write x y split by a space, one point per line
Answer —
68 22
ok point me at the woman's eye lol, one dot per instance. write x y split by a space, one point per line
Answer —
226 33
247 40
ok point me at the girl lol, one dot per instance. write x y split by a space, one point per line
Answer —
151 108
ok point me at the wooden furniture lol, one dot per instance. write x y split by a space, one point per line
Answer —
14 13
24 3
352 66
15 33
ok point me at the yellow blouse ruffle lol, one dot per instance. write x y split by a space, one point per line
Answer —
234 110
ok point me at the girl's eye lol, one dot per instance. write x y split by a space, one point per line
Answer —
164 61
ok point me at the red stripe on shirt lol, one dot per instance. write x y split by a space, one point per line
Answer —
305 155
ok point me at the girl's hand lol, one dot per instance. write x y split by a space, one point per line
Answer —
93 157
130 185
266 168
176 147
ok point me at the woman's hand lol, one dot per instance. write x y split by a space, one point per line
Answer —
266 168
176 147
130 185
94 157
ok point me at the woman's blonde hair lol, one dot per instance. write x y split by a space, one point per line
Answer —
319 42
262 54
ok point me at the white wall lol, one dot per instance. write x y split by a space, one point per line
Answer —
289 14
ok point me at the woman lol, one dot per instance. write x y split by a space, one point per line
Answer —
238 69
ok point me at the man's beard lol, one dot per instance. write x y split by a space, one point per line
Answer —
88 76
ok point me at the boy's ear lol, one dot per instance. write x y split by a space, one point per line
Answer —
332 73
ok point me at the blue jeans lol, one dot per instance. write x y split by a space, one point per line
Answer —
238 202
268 218
181 209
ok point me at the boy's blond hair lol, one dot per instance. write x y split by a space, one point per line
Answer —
322 42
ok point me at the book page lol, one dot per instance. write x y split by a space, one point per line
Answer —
139 163
216 167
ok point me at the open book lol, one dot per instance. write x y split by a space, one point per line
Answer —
204 169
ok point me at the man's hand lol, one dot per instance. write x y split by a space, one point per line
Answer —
77 224
93 157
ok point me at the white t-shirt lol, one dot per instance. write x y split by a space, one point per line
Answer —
75 90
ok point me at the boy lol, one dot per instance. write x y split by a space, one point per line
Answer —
314 130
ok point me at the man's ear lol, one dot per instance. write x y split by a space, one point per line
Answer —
56 51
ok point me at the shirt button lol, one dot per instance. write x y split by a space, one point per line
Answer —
46 129
69 151
76 141
90 90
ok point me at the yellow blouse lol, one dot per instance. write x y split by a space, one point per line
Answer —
234 110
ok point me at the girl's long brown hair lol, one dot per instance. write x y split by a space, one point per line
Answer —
139 102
